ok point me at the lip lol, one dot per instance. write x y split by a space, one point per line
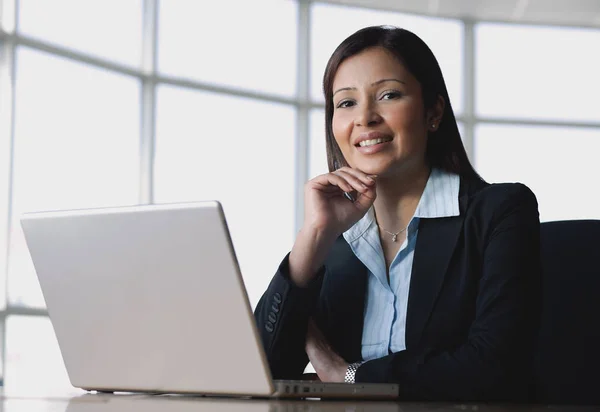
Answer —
369 136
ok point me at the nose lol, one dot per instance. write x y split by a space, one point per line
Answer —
367 116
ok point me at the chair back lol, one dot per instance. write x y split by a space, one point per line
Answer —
567 363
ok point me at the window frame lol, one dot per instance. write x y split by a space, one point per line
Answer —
147 75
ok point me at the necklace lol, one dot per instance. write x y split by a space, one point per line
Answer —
394 235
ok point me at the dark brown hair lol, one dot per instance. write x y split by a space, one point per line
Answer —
444 147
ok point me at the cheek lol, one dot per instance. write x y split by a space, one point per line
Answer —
341 130
410 121
406 115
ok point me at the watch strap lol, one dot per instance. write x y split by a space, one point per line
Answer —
351 372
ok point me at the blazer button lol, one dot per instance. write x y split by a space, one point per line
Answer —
277 298
272 317
275 307
269 327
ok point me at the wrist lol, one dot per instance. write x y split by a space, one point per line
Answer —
308 254
317 235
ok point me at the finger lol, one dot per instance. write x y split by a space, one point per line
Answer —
366 199
330 182
355 182
362 176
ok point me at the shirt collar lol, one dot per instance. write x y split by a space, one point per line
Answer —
439 199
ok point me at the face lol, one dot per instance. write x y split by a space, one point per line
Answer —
379 120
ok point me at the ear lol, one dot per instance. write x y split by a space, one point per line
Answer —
434 115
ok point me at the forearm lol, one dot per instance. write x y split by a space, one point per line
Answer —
471 372
282 318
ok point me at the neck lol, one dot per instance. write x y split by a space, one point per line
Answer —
398 197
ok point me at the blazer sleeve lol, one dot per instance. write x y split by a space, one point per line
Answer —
495 359
282 316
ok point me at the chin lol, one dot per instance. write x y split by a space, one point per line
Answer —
373 169
387 168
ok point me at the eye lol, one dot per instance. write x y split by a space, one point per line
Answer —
345 103
391 95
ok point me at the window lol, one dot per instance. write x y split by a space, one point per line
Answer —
5 161
317 147
76 145
33 358
78 142
544 73
565 176
242 44
237 151
110 29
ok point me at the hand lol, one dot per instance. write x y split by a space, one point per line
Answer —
330 366
327 214
327 209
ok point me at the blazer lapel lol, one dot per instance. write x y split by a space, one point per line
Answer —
436 242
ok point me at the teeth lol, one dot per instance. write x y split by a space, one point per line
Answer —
373 141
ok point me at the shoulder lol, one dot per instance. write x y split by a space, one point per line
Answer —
499 211
497 198
494 208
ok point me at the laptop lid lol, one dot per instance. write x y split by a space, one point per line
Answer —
148 298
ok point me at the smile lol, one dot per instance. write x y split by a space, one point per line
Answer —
373 142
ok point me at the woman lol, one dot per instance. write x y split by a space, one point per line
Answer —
409 268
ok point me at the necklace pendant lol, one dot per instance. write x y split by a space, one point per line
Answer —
394 237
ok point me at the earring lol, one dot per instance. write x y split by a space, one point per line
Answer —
433 126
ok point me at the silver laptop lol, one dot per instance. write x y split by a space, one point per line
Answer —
151 299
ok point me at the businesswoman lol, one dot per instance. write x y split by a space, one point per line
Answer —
408 268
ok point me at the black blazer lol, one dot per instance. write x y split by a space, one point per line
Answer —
473 304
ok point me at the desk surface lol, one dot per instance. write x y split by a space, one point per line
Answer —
83 402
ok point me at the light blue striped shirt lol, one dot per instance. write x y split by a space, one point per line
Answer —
386 304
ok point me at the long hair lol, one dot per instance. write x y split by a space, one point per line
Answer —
444 147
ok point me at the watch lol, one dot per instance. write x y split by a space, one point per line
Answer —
351 372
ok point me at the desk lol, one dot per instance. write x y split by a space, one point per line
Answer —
173 403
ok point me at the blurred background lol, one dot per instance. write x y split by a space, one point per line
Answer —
122 102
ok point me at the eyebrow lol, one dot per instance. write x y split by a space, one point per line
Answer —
372 84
